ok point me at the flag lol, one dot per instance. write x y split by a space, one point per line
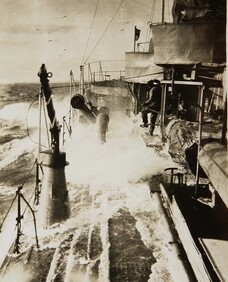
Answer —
137 33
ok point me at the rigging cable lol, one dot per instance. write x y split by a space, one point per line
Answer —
90 31
105 61
151 20
30 172
7 213
169 10
105 30
143 75
46 122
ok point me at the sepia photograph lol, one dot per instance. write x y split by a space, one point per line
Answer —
113 141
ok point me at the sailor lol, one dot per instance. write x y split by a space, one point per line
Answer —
152 105
181 112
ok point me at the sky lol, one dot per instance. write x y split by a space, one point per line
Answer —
56 32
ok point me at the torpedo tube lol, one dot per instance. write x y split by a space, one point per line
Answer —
93 115
102 124
54 200
78 102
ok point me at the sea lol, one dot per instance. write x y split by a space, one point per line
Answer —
117 229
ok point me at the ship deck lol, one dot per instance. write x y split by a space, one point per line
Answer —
206 226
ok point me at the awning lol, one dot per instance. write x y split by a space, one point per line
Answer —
140 67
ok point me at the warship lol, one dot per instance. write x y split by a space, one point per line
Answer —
166 224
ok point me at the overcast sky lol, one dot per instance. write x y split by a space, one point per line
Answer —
55 32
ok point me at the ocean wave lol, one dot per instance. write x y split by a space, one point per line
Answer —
10 151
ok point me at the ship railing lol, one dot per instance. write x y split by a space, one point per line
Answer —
99 76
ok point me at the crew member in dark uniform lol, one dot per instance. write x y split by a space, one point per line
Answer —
152 105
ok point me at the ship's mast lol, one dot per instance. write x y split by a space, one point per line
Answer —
54 201
55 129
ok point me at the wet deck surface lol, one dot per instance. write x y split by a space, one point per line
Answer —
116 233
209 228
216 250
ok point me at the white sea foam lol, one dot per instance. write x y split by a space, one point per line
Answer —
117 170
123 159
14 112
113 176
20 272
10 151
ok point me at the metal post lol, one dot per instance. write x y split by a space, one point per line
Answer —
163 102
64 120
82 84
138 94
163 11
200 115
43 74
71 83
89 76
101 76
18 219
38 184
224 127
54 203
40 109
34 219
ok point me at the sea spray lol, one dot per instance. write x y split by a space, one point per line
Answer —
12 150
52 271
21 274
105 262
177 266
102 179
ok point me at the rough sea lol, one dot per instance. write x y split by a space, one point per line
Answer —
117 231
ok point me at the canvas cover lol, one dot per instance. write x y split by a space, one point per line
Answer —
140 67
195 10
189 43
213 159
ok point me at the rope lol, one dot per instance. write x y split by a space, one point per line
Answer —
27 127
90 31
46 122
105 30
30 172
7 212
27 119
68 126
30 200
